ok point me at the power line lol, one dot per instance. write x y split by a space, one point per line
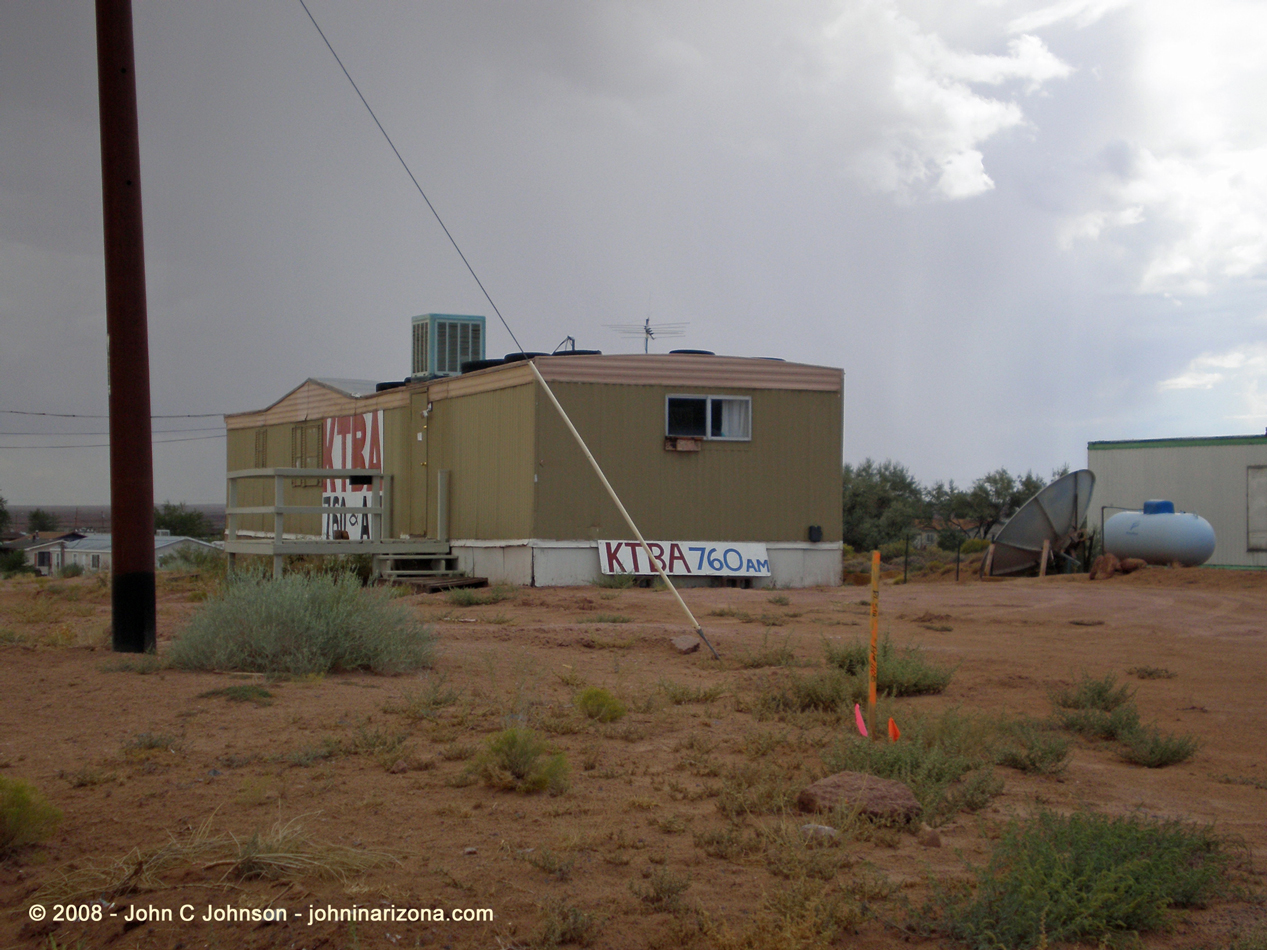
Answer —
405 166
80 415
103 432
105 445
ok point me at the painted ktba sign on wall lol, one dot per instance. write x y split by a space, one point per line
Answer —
686 558
350 442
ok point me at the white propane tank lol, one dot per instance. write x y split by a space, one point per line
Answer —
1160 535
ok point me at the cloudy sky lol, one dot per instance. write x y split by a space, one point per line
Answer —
1017 226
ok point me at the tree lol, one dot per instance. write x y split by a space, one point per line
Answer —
182 520
880 502
5 518
40 520
995 497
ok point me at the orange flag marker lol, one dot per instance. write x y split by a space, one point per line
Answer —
894 732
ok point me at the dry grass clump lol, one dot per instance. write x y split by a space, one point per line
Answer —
1100 709
804 914
301 624
562 924
946 760
600 704
471 597
899 672
680 694
284 852
518 760
663 890
26 818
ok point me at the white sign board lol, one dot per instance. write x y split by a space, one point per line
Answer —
350 442
686 558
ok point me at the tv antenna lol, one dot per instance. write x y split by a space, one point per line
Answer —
648 331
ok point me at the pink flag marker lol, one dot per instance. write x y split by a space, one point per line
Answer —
857 714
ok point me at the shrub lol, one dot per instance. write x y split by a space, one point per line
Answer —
1080 878
517 759
946 760
973 545
70 570
598 703
1154 749
302 624
195 559
615 581
470 597
25 817
13 563
1087 693
663 890
899 672
1098 724
1026 745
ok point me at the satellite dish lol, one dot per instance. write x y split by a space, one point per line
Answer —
1055 515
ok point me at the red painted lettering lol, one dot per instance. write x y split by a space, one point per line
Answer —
675 555
657 552
358 446
376 444
634 547
613 558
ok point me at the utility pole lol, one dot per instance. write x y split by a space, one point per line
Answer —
131 452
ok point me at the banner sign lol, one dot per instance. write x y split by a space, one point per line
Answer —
350 442
686 558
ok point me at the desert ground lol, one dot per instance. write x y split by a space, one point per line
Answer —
678 826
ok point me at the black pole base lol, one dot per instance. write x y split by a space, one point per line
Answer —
132 599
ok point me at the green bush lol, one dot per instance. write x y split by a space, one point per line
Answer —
195 559
70 570
470 597
599 704
903 672
25 817
519 760
946 760
14 562
301 624
973 545
1028 746
1154 749
1098 724
1081 878
616 581
1088 693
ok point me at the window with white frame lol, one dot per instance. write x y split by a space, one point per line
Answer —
709 417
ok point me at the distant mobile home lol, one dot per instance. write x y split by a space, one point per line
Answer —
722 460
1221 478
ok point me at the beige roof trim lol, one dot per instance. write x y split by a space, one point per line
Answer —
314 400
637 369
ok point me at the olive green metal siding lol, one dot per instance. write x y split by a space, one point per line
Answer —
397 431
485 441
771 488
253 492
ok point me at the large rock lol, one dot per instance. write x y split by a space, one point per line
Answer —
1130 565
879 798
1104 567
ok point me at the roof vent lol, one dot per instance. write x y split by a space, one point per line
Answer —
442 342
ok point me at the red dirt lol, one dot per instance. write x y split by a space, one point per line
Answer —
66 717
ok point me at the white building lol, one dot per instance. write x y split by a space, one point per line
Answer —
93 552
1222 478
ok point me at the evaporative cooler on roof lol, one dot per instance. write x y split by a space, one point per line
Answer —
442 342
